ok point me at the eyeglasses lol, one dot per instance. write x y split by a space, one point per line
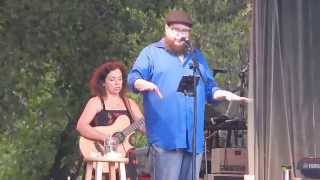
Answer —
180 30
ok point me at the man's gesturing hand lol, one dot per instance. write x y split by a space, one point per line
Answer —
229 96
143 85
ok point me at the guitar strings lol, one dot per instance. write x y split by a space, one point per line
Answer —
133 126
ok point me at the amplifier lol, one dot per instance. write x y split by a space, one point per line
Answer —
224 177
229 160
310 167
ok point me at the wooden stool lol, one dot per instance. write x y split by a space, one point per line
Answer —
112 163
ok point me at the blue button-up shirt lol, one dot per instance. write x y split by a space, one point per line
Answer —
169 121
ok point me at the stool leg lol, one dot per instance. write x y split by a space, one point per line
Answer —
98 175
122 172
89 168
228 143
112 171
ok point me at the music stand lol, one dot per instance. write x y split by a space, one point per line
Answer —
186 85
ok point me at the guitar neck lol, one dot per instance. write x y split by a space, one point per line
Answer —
133 127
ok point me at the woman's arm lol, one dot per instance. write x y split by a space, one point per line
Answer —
136 113
83 126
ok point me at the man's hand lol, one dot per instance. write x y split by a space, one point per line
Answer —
143 85
229 96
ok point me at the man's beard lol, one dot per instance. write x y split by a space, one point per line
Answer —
171 47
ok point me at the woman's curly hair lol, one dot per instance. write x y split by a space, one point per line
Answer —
98 77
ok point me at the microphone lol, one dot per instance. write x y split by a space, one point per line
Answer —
244 69
219 70
216 71
186 42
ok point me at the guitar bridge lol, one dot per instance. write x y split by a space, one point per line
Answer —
119 137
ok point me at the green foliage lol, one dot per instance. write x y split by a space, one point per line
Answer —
49 49
139 139
223 35
31 137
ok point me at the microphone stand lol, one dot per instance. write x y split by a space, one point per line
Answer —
243 84
195 67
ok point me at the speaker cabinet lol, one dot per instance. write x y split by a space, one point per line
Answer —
225 177
229 161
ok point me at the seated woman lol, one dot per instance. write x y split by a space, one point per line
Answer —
109 107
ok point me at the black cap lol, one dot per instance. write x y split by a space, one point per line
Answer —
178 17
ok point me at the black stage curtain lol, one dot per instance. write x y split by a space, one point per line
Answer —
285 84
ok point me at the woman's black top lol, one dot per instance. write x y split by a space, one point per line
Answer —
107 117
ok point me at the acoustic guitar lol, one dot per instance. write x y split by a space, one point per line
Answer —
121 129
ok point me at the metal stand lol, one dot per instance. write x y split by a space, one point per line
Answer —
195 119
233 125
196 70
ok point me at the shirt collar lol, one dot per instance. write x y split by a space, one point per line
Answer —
160 43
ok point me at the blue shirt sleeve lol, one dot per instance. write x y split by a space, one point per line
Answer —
141 69
211 85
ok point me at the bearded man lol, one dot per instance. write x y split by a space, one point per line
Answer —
168 113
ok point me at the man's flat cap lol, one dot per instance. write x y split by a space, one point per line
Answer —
178 17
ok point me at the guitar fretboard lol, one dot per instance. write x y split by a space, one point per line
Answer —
133 127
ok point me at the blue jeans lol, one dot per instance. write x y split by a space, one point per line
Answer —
172 164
